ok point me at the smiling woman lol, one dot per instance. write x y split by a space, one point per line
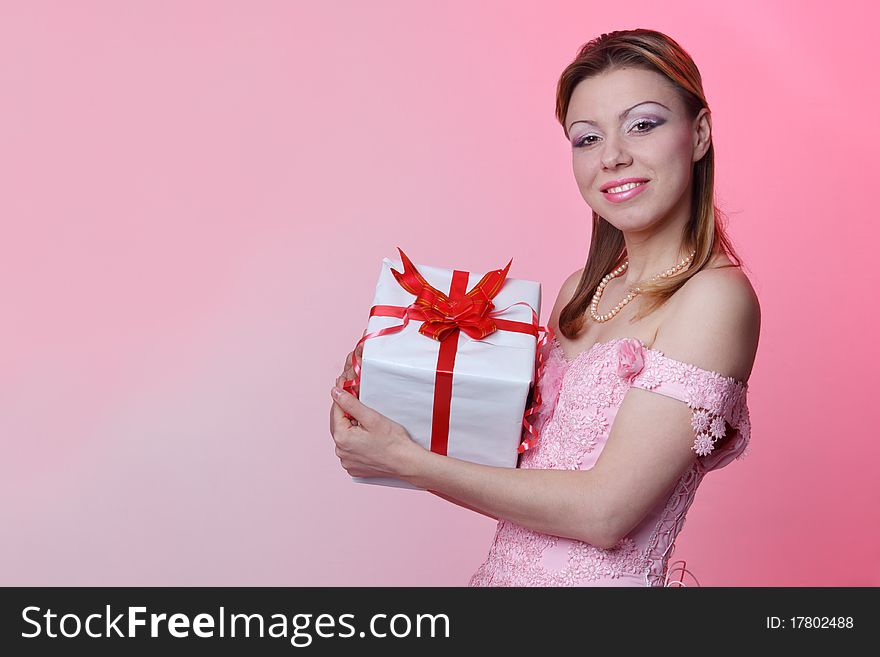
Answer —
644 397
632 106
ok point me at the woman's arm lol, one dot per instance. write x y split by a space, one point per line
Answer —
564 503
462 504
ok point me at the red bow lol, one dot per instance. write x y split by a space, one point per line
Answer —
444 313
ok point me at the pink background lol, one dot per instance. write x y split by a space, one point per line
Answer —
196 198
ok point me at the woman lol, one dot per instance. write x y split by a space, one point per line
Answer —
652 344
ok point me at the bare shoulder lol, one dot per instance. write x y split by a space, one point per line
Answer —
566 292
715 323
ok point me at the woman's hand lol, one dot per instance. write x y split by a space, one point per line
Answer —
370 444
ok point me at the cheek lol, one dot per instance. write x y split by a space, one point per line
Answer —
585 170
681 151
670 160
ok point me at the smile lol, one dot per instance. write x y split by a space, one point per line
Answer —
625 192
623 188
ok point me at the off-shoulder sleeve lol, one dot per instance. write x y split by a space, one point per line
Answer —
718 405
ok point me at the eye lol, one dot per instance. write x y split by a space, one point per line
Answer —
640 127
651 125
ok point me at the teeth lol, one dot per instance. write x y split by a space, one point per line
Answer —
623 188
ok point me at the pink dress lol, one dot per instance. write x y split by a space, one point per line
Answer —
581 397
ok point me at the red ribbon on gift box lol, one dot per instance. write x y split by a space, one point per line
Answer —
444 317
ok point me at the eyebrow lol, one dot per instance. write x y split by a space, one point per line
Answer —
623 113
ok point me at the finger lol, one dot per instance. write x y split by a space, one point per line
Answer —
347 363
341 381
334 421
353 406
348 373
338 421
352 421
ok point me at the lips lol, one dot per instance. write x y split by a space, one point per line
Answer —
627 194
622 181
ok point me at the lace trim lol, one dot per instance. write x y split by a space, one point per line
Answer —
516 553
717 401
662 540
675 572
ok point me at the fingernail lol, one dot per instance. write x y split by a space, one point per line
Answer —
335 392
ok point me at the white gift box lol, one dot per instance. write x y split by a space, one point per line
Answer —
491 377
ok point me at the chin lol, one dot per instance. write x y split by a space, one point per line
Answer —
628 224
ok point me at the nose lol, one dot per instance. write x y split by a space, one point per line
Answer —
613 153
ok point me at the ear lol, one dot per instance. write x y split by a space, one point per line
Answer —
702 134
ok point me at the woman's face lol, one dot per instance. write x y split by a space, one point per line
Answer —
615 134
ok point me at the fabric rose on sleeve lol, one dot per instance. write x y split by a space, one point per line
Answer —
630 359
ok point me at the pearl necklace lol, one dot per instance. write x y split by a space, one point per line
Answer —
594 305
